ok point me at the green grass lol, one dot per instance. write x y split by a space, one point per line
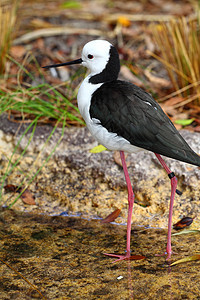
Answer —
35 105
29 177
41 101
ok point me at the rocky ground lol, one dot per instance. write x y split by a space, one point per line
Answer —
77 182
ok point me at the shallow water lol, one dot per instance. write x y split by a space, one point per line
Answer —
63 258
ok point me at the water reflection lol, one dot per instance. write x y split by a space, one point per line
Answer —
64 258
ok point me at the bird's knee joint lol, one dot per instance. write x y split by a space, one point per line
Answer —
171 175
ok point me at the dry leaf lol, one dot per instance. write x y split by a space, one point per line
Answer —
157 81
28 198
117 159
39 23
136 257
186 259
197 129
184 222
123 21
128 75
17 51
149 43
187 231
11 188
174 100
112 216
98 149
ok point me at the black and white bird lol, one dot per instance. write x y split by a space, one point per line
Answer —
123 117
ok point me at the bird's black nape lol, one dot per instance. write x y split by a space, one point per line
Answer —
111 70
73 62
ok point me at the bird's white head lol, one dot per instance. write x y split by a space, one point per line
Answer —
95 55
101 58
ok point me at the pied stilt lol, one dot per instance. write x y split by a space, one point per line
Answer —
123 117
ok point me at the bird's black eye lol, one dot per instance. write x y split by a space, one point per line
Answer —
90 56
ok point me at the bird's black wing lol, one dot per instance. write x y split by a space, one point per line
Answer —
133 114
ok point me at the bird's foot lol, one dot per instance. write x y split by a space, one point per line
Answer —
120 257
168 253
126 256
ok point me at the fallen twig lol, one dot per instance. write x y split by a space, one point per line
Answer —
30 36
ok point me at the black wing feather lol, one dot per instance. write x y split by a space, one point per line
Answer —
133 114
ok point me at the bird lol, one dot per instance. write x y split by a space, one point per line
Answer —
124 117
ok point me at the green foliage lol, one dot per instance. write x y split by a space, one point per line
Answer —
32 101
43 100
71 5
41 103
184 122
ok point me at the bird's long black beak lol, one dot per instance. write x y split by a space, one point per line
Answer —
73 62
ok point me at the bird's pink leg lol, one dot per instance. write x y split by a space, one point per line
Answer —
130 209
173 191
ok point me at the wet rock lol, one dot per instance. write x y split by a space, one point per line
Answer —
78 182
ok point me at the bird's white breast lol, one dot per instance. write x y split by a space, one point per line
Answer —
108 139
84 97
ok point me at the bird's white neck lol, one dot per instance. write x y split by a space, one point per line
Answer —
84 97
